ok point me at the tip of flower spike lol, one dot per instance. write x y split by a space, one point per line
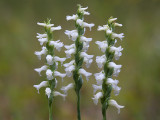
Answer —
82 10
111 19
80 7
44 24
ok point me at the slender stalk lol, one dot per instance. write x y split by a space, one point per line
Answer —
78 106
50 110
104 113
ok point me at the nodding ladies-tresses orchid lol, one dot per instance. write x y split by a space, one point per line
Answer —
79 48
51 64
105 83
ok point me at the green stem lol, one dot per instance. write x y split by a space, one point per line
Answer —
104 113
78 106
50 110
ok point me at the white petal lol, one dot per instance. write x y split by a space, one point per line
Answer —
84 39
96 87
49 59
45 25
42 84
79 22
116 89
57 44
56 93
49 74
41 35
115 67
120 36
88 62
68 32
104 27
108 31
73 34
69 64
117 24
85 73
115 104
56 28
85 46
100 60
39 70
42 40
97 97
69 46
83 54
87 58
73 17
86 13
111 81
66 88
39 53
48 92
82 9
117 51
114 85
56 58
84 24
69 70
99 77
103 45
88 25
56 73
112 20
69 52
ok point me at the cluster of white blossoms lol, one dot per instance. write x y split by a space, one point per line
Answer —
79 47
104 78
50 68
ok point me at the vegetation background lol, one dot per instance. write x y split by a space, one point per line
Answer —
139 78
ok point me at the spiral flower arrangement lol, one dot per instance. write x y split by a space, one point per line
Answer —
78 48
48 47
105 83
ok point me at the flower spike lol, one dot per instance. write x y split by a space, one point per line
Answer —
48 47
105 83
78 49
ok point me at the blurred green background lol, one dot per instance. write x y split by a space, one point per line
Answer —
139 78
